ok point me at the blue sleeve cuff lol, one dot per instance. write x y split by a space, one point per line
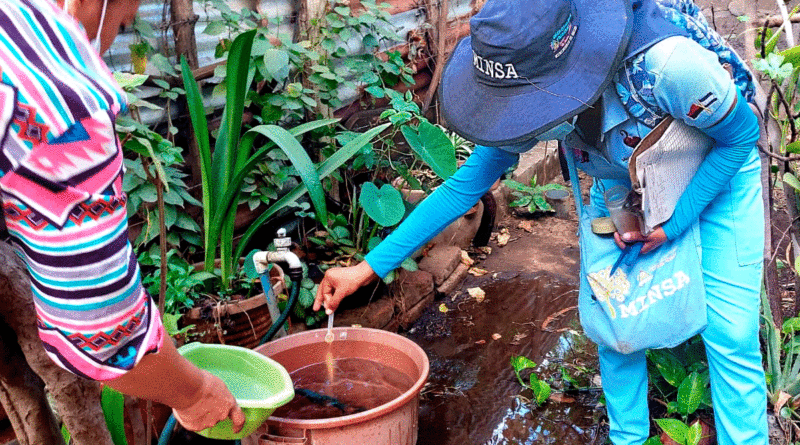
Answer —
451 200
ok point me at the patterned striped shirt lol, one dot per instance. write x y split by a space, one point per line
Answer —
61 184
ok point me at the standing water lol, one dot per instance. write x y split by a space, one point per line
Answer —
357 385
472 392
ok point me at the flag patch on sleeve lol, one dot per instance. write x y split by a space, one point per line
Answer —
701 105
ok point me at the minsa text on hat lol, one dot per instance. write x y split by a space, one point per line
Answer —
494 69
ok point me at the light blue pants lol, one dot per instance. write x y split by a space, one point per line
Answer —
732 235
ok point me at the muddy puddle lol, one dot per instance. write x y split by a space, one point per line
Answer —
472 395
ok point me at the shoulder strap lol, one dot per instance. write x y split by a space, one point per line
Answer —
575 182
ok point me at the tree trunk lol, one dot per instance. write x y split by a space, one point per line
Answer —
183 20
77 400
22 395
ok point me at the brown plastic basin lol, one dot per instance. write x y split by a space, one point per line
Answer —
393 423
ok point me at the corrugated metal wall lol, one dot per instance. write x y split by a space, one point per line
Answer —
409 16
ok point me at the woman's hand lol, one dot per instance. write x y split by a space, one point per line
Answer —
340 282
651 242
214 403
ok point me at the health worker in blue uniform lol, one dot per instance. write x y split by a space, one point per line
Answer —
527 70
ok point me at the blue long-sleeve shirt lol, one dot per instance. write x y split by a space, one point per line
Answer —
689 84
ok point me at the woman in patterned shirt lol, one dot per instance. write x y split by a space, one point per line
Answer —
61 182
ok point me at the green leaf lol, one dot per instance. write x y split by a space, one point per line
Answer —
65 434
306 298
792 55
129 81
327 167
694 434
409 264
200 126
668 366
215 28
249 266
276 61
793 147
791 180
433 147
791 325
518 186
541 390
376 91
384 206
690 394
675 429
521 362
163 64
655 440
774 66
373 243
113 405
301 162
389 277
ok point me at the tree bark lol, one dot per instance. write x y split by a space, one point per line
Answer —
22 395
77 400
183 20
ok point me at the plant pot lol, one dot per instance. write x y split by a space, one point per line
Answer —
242 322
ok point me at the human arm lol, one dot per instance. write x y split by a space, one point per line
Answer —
451 200
198 398
692 86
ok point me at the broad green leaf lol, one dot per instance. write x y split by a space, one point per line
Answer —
655 440
518 186
305 298
301 162
433 147
215 27
113 405
791 325
690 394
675 429
276 61
385 205
325 169
668 366
307 283
520 362
793 147
250 267
541 390
694 434
792 55
129 81
163 64
791 180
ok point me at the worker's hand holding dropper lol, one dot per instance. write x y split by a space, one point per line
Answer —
339 282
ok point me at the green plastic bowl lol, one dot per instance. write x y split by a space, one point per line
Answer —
260 384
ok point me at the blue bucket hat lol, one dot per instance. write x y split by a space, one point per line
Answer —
529 65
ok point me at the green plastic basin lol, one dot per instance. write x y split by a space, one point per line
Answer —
260 384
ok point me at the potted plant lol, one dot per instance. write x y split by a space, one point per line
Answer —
223 171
